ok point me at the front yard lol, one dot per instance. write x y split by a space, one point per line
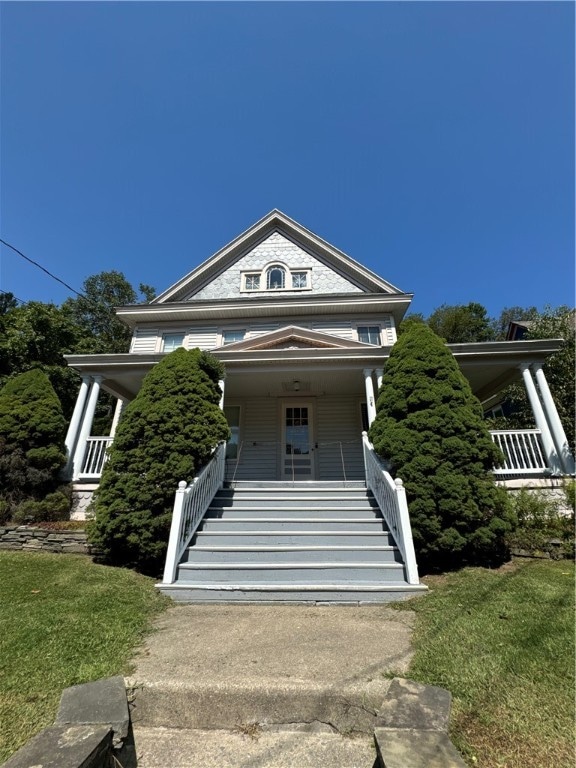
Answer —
63 621
503 643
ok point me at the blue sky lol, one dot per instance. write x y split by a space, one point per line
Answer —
433 142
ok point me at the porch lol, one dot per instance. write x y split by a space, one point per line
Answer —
522 448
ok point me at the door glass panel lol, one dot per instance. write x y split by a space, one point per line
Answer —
297 442
232 413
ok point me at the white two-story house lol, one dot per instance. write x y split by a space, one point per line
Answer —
304 332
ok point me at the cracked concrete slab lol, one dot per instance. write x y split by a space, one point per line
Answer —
219 666
234 749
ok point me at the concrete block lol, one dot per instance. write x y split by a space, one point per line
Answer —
407 748
103 701
80 746
415 706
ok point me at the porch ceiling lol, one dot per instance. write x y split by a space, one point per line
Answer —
489 368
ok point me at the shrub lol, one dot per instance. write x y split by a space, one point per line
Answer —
167 434
430 427
540 523
55 506
32 431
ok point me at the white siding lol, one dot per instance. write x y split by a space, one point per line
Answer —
388 331
203 338
144 341
341 328
258 329
258 449
339 435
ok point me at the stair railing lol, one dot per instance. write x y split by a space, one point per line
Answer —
390 496
190 506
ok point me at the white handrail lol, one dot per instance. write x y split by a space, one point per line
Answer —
390 496
95 457
522 449
190 506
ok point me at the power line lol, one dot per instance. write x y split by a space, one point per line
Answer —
44 270
9 293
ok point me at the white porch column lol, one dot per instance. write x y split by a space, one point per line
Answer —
72 435
369 384
86 425
379 376
558 434
221 385
120 403
540 418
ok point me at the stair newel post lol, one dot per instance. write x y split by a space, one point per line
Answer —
406 528
175 535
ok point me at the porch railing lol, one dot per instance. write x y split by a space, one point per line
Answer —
391 498
190 506
522 449
94 457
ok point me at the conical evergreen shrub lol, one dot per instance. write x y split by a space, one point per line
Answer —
32 452
166 434
430 426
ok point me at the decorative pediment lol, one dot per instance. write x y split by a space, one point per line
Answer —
293 337
305 265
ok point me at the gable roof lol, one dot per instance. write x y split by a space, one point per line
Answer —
296 335
276 221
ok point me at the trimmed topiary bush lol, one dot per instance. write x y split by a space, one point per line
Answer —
430 427
167 434
32 451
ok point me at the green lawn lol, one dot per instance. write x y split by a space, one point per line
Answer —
63 621
503 643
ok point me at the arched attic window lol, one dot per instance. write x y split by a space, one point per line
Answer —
275 277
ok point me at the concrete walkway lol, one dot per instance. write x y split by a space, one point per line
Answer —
266 685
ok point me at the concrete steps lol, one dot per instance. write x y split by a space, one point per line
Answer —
309 542
251 746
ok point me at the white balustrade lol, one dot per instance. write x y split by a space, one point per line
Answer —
390 496
95 457
190 506
523 452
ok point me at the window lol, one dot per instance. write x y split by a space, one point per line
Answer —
369 334
171 341
276 278
229 337
232 413
252 282
299 280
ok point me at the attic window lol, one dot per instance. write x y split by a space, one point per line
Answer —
171 341
252 282
299 280
276 278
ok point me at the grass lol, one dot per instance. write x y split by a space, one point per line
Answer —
63 621
502 642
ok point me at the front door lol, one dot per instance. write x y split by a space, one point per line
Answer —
297 442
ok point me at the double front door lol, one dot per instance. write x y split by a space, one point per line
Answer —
297 454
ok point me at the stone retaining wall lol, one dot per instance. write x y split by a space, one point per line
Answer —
24 537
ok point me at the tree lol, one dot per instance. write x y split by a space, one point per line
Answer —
559 369
508 314
36 335
101 331
461 323
167 434
430 427
32 432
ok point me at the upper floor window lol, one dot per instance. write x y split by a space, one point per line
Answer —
275 277
252 282
299 279
369 334
171 341
229 337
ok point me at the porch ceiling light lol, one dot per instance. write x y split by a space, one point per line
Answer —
296 385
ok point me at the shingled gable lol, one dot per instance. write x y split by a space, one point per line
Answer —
275 222
290 335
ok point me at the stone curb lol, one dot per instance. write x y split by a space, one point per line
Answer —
412 727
